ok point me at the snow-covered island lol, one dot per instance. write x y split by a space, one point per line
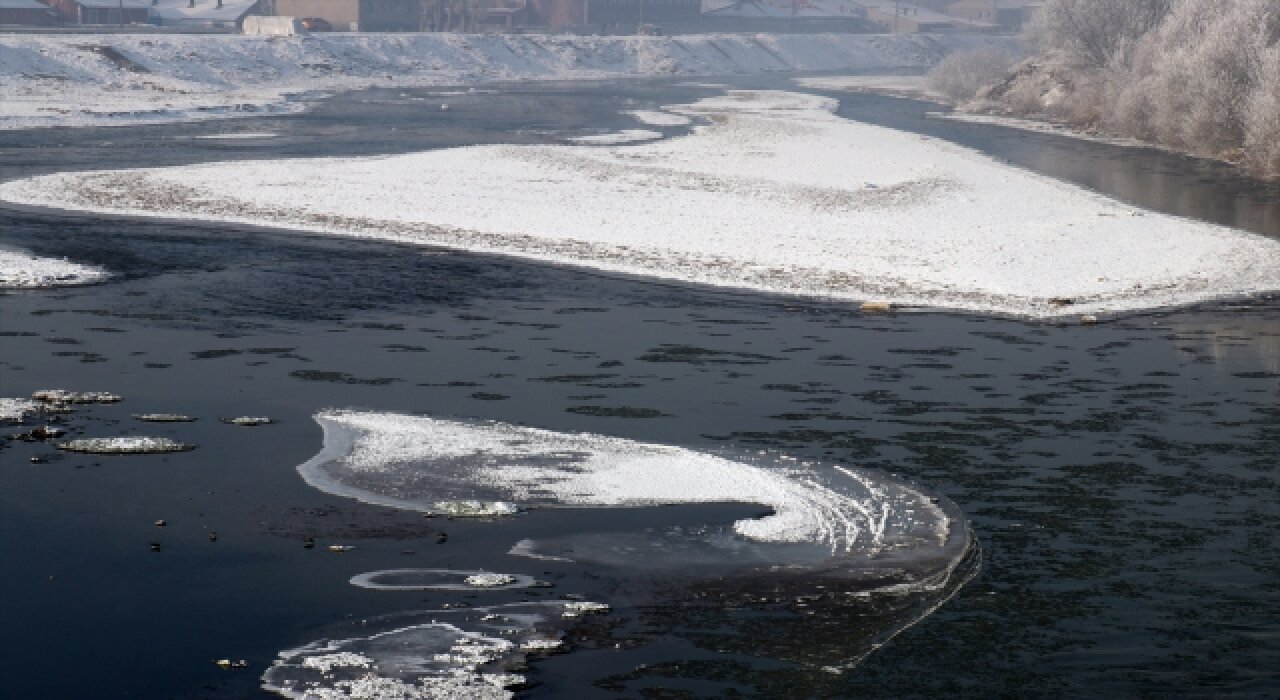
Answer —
772 192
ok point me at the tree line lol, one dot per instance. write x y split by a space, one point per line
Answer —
1202 76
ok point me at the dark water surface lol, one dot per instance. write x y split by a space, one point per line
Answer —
1122 478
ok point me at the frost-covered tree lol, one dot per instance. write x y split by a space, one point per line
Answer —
1095 33
960 75
1199 75
1193 79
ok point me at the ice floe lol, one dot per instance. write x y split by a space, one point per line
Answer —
64 396
17 410
163 418
125 445
440 580
412 461
21 270
443 654
248 421
775 193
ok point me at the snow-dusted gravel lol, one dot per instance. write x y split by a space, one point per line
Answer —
772 193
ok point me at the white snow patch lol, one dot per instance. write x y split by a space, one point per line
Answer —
77 80
655 118
775 194
912 86
617 137
21 270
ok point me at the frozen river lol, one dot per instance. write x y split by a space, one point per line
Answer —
1117 483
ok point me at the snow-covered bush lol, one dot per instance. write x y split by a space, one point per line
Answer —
961 75
1198 75
1095 33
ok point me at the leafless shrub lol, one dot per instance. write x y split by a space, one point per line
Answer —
961 75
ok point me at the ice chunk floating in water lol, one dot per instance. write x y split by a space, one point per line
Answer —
21 270
837 562
821 516
468 654
440 579
125 445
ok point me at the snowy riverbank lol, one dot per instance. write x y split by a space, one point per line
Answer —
773 193
76 80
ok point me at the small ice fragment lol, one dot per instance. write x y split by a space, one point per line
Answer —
440 580
125 445
248 421
542 645
21 270
1088 320
340 548
474 509
580 608
487 580
64 396
16 410
163 418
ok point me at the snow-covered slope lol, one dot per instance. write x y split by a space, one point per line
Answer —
51 80
772 193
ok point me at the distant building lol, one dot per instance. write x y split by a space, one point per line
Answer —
357 15
785 16
102 11
613 15
28 13
227 14
908 18
1009 15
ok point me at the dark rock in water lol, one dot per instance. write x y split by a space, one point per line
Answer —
125 445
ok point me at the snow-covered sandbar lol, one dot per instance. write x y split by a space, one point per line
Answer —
773 193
